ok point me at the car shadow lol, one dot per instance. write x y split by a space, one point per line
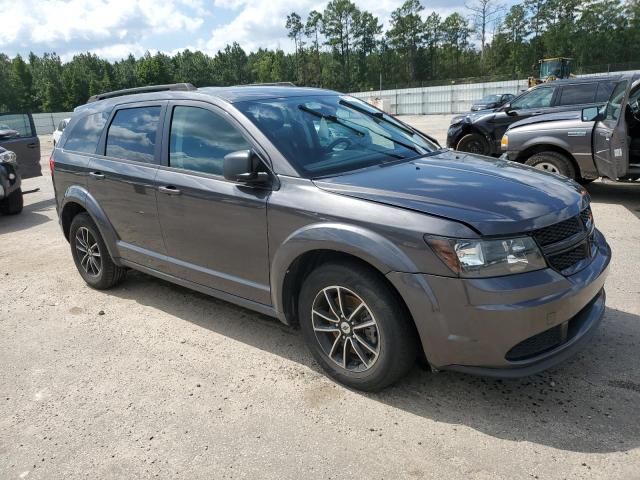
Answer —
568 408
29 217
618 193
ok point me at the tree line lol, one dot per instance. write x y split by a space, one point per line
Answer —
346 48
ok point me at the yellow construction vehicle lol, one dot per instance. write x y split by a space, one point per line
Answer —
549 69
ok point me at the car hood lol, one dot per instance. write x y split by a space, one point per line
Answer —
494 197
549 117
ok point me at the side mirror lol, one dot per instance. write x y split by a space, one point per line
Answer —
241 166
508 110
590 114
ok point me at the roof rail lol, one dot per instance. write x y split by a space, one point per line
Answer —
268 84
184 87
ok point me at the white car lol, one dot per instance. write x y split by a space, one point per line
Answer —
57 133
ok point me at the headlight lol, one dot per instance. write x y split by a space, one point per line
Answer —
472 258
504 143
7 157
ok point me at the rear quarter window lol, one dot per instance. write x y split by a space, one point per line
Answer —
84 136
578 94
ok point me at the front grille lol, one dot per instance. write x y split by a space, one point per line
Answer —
536 345
555 233
548 237
567 259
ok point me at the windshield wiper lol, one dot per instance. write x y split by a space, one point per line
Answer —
331 118
390 120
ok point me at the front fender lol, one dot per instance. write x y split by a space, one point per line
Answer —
353 240
79 195
545 140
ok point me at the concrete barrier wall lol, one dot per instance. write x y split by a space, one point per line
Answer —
445 99
46 123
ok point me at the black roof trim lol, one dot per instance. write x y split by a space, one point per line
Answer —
183 87
268 84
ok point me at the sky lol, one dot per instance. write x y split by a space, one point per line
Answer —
114 28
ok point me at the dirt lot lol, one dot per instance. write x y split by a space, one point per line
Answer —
153 380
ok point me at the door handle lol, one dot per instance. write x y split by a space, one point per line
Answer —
169 190
31 145
97 175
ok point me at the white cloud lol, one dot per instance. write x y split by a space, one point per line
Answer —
92 24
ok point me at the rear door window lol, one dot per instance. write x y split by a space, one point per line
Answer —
200 139
20 123
85 135
132 134
578 94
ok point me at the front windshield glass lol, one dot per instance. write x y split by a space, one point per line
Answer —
491 98
329 134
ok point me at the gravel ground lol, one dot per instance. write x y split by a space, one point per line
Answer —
151 380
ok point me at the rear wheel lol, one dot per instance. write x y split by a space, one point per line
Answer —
356 327
552 162
473 143
91 256
12 205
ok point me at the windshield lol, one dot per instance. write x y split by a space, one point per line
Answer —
331 134
491 98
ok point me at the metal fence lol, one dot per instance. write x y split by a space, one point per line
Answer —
46 123
445 99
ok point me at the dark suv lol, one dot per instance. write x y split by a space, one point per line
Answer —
315 208
481 132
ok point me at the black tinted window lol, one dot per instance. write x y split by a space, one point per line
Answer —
200 139
132 134
17 122
86 133
604 91
577 94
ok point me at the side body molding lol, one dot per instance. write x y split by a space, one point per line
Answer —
359 242
79 195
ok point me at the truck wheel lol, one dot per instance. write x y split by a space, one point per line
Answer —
12 205
91 256
355 326
553 162
473 143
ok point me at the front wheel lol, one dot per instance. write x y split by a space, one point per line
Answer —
473 143
552 162
12 205
356 327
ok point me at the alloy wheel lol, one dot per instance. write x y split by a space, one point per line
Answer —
345 328
547 167
88 252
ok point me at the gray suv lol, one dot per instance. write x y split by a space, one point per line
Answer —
315 208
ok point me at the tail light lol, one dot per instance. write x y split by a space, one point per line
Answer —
52 163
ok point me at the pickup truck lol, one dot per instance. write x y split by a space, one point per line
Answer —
587 144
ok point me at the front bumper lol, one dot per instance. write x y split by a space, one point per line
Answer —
10 180
471 325
454 133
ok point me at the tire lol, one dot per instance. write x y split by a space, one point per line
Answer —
553 162
12 205
473 143
100 272
392 334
